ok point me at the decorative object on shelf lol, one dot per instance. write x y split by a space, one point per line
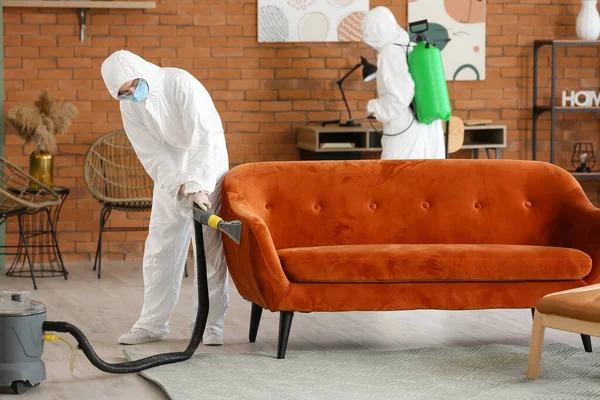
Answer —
588 21
458 29
40 124
590 99
311 20
369 73
583 158
553 107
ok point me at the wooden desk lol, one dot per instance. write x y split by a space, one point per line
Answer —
334 142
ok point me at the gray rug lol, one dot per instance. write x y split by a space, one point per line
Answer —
486 372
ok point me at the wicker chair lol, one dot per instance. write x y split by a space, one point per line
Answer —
116 178
21 194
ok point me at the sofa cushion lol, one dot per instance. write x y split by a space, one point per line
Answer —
391 263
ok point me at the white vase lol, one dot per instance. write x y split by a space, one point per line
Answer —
588 21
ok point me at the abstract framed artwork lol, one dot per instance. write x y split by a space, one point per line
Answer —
311 20
457 28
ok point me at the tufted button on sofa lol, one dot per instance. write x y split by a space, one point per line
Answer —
379 235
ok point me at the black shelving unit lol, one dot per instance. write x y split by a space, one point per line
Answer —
553 108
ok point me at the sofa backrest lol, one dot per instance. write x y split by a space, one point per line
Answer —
320 203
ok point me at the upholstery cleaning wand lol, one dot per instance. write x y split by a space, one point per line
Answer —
232 229
21 364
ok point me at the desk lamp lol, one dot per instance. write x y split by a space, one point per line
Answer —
368 73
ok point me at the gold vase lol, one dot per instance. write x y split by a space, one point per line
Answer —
41 166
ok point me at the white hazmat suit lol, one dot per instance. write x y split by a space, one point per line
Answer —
396 89
178 136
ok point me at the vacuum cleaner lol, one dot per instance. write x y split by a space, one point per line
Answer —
24 328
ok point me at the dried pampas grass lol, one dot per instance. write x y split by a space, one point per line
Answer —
41 124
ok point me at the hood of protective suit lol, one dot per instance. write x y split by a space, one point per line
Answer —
380 28
123 66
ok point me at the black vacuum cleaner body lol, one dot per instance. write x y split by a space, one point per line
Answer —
23 324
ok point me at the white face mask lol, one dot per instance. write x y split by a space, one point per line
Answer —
140 94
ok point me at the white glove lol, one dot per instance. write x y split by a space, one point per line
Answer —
181 193
201 199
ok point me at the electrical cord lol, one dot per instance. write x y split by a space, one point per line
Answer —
388 134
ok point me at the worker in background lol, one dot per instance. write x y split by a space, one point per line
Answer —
177 134
404 137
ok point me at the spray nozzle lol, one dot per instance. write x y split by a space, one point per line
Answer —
418 28
233 229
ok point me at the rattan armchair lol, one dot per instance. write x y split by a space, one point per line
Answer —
21 194
117 180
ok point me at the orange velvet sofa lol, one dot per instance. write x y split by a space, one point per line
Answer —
373 235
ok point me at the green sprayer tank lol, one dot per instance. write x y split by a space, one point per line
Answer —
432 101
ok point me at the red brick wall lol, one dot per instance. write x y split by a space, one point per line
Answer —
263 91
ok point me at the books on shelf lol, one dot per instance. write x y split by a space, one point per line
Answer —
333 145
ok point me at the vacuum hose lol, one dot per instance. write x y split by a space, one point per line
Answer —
201 316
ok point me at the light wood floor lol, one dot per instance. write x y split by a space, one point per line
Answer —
105 308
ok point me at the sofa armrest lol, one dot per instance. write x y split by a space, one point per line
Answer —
577 227
254 264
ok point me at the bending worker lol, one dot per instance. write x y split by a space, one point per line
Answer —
404 137
177 134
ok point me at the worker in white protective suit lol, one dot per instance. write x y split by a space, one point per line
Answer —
404 136
177 134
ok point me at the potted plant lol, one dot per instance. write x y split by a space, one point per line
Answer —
40 124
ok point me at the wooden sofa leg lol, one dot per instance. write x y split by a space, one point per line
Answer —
285 324
255 315
587 342
535 347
